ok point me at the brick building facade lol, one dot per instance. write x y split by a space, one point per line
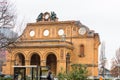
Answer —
53 43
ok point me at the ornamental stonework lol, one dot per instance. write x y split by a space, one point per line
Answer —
55 44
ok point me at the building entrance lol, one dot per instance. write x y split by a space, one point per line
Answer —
52 62
36 72
20 59
35 59
19 73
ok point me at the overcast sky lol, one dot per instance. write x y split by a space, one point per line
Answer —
103 16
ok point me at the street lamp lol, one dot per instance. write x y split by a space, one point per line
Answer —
103 67
102 72
67 62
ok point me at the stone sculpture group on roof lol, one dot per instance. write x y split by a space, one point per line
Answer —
47 16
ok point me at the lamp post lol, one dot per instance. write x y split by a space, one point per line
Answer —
103 67
67 62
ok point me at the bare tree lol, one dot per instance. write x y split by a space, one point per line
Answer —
115 71
102 60
7 14
7 25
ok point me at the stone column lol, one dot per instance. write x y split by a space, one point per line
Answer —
12 67
43 62
61 66
27 63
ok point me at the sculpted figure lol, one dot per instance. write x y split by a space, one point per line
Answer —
53 16
40 17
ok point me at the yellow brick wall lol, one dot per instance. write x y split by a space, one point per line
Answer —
71 31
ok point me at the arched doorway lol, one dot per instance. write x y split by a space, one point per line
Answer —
35 59
20 59
52 62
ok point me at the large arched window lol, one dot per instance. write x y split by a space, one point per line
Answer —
81 54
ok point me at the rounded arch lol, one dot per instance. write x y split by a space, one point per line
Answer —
69 52
51 62
16 52
35 59
81 52
33 52
51 51
19 59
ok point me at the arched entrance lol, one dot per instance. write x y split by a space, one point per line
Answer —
35 59
52 62
20 71
20 59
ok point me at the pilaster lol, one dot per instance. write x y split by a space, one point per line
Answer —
61 66
27 62
43 62
12 67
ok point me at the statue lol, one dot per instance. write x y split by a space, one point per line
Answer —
40 17
53 16
50 17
